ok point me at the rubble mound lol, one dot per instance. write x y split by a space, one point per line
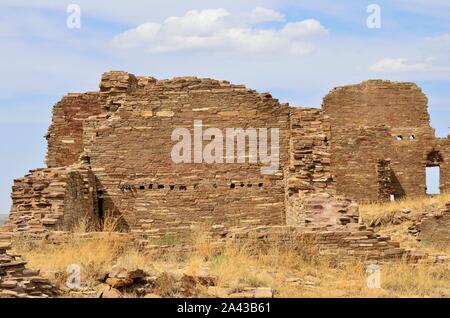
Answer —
121 281
16 281
433 227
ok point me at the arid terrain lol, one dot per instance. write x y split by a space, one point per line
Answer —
121 210
244 269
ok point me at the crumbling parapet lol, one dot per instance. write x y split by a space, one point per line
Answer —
52 199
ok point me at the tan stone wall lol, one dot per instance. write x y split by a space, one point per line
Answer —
376 103
350 242
354 161
65 135
443 148
435 229
309 180
52 199
130 153
120 140
16 281
380 120
309 167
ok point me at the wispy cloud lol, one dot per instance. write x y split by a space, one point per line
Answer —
397 65
435 8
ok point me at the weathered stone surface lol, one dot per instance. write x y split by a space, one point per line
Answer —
109 152
143 285
382 141
119 282
433 228
18 282
64 198
112 293
126 273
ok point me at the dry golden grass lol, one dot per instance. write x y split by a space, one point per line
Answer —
94 257
110 223
387 210
393 223
293 269
291 273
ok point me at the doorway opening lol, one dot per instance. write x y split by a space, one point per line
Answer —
433 180
100 205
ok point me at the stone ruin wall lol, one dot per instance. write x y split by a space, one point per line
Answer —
130 148
310 184
310 158
109 153
443 148
434 229
378 121
65 135
17 281
52 199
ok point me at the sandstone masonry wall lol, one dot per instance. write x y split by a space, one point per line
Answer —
65 135
130 153
52 199
309 167
110 153
346 242
16 281
442 151
381 120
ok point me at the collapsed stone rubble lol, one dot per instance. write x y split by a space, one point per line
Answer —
122 281
16 281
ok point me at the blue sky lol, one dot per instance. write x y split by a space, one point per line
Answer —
297 50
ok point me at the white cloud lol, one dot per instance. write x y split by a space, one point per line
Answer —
304 28
397 65
219 29
133 38
196 22
261 15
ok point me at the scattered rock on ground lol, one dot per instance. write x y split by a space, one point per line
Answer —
18 282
